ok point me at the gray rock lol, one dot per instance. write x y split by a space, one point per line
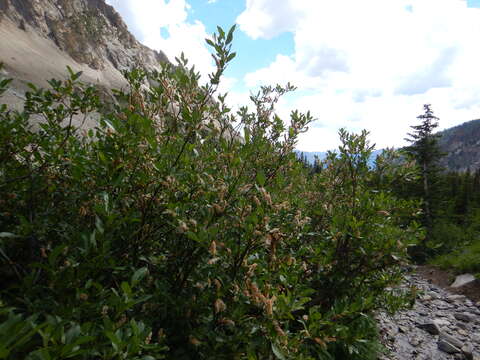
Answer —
415 342
426 298
452 298
403 329
442 322
467 351
463 279
451 340
444 334
476 338
430 327
447 347
463 317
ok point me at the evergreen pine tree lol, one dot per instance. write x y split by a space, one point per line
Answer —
425 150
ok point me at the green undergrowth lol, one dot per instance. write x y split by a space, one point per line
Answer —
466 259
180 229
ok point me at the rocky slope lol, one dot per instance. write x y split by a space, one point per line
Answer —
39 38
440 326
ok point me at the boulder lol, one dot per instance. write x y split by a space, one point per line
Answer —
431 327
445 346
463 279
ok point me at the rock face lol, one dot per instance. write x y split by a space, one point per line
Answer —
462 280
440 326
39 38
90 31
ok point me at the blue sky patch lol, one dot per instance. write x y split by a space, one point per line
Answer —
251 54
473 3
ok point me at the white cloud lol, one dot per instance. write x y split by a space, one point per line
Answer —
146 19
373 63
257 20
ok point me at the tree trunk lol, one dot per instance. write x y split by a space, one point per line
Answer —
426 191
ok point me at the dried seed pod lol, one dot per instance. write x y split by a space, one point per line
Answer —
193 340
213 248
218 209
149 338
213 260
219 306
269 305
182 227
278 329
228 322
160 335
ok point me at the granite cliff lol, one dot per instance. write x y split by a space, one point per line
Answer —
39 38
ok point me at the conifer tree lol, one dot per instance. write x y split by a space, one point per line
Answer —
425 150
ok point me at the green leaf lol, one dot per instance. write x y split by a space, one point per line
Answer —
32 86
126 288
246 134
230 34
8 235
70 71
139 275
278 353
99 224
52 258
261 178
116 342
5 82
221 33
73 333
231 56
77 75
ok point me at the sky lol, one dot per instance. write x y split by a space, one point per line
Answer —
368 64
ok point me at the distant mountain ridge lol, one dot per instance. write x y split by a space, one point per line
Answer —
310 156
461 145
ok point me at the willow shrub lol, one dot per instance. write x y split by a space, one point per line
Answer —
165 233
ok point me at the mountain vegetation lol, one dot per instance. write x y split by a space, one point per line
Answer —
450 199
161 233
172 227
425 151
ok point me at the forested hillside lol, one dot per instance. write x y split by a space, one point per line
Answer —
461 145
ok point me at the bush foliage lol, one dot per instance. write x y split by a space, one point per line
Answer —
165 233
